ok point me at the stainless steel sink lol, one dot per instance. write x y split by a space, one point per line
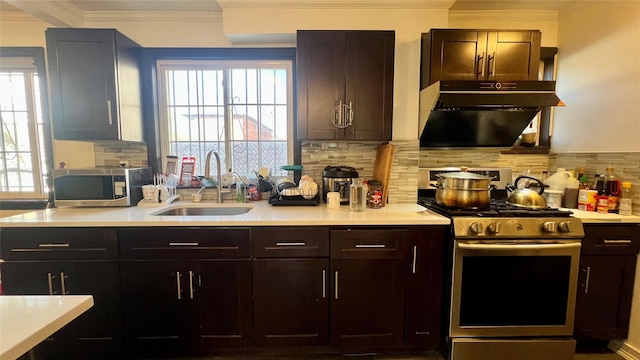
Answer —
205 211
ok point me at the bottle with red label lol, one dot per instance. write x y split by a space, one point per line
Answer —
602 197
614 188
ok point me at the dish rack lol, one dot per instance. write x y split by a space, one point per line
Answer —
298 200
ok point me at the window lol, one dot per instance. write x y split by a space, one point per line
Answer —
23 166
240 109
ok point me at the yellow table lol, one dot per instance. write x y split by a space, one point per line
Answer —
27 320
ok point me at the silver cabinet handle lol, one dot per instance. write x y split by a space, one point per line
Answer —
62 284
349 114
178 285
302 243
109 112
621 241
49 245
586 282
481 65
191 284
324 284
50 281
413 263
370 246
336 288
183 244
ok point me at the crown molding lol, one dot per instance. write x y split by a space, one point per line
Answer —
499 15
18 16
332 4
153 16
60 13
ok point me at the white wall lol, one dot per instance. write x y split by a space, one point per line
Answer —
598 77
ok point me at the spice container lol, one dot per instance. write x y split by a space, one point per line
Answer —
374 195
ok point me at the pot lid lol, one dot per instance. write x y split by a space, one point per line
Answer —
463 175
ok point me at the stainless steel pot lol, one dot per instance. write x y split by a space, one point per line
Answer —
463 190
525 197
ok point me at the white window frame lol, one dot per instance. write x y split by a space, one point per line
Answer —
224 65
11 64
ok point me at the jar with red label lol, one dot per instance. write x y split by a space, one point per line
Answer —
374 195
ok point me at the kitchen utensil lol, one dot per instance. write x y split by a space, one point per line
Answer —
338 179
463 190
526 197
382 168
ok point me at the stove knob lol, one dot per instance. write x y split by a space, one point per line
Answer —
549 227
475 228
493 228
564 226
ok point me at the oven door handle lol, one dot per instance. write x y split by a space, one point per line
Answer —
517 246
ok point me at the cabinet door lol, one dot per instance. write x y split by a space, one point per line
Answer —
94 334
320 72
157 308
425 289
367 302
603 304
83 86
291 304
512 55
369 84
455 55
223 290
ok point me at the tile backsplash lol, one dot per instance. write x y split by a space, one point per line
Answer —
409 157
110 153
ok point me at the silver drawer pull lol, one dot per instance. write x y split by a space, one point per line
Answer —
370 246
179 288
49 245
50 281
324 284
183 244
291 243
623 241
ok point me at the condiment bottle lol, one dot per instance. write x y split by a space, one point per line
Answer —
626 199
374 195
357 195
614 188
603 195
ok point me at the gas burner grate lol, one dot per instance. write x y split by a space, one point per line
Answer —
497 208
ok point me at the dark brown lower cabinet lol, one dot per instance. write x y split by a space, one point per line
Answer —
66 261
368 279
291 306
425 289
607 272
185 291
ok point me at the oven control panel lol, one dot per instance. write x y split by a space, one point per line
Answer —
518 227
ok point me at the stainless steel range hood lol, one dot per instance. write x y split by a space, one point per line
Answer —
480 113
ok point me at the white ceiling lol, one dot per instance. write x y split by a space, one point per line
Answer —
212 5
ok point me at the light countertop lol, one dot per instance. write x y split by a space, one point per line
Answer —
262 214
25 321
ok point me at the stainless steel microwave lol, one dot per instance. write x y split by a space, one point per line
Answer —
100 187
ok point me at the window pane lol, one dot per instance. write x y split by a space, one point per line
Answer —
195 121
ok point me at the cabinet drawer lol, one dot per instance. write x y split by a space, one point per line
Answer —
58 244
611 239
185 243
290 242
369 243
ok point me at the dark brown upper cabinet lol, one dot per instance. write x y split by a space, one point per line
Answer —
95 85
345 85
497 55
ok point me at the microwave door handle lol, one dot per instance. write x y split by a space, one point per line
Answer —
517 246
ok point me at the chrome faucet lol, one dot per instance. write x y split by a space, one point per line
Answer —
207 169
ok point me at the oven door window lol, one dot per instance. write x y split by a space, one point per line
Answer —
84 188
514 290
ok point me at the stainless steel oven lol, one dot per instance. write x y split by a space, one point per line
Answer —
513 287
513 276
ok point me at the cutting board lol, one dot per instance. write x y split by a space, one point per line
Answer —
382 168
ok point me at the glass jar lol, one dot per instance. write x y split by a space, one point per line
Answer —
357 195
374 195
